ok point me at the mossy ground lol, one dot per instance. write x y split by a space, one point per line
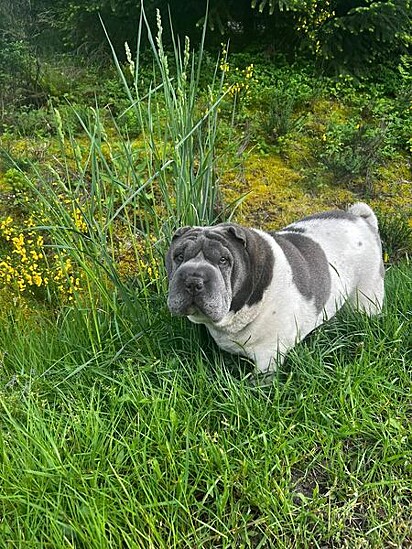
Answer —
276 194
291 178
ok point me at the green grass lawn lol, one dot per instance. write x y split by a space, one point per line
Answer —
175 448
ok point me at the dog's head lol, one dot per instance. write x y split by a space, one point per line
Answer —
215 270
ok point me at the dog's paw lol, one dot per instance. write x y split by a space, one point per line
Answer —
262 380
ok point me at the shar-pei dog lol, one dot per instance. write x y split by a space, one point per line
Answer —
259 293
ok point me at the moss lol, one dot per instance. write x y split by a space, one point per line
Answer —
330 110
298 151
289 182
275 193
393 188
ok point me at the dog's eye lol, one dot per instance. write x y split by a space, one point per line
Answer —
223 260
179 258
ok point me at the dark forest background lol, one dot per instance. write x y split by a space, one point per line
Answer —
343 31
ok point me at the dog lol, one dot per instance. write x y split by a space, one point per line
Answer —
259 293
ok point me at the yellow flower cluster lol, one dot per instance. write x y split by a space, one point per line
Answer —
79 221
6 227
242 77
25 267
248 72
224 64
65 278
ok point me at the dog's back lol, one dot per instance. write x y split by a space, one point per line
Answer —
351 243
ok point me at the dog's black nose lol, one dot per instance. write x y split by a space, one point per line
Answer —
194 284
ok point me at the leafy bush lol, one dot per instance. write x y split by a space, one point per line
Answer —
385 97
279 93
354 148
19 76
279 113
396 235
396 115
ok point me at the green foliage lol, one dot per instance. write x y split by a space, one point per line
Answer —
351 34
21 30
278 118
19 71
353 148
371 125
28 121
15 181
182 149
338 33
364 32
280 94
396 235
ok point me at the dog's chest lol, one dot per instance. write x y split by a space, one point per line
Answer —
230 343
249 328
268 325
237 333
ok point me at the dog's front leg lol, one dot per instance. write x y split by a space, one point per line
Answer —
266 364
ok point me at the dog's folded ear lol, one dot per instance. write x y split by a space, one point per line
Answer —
239 233
253 266
180 232
235 230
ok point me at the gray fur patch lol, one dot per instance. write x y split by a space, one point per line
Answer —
253 268
294 229
310 268
260 272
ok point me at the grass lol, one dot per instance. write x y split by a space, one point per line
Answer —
176 448
185 141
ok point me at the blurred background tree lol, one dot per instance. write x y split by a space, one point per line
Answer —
350 33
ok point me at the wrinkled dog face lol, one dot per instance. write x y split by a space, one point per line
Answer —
199 265
209 271
216 270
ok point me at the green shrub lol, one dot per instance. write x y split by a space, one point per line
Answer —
396 114
354 148
15 181
396 235
279 114
19 76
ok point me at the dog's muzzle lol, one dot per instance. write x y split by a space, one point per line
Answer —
193 279
197 288
194 285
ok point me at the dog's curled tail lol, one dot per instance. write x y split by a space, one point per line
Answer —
360 209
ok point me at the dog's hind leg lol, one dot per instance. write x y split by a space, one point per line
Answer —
368 297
